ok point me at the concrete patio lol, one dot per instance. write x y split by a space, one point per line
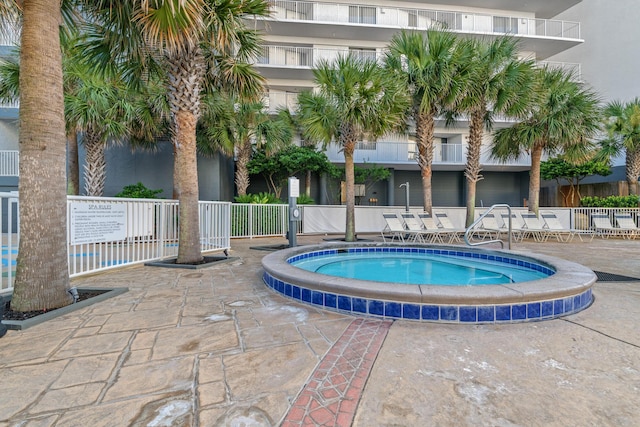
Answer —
215 347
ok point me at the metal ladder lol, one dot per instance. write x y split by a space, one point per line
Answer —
467 233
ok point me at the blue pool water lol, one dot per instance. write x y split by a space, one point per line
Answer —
419 268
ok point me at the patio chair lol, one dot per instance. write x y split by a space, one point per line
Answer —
517 225
489 228
535 228
626 222
414 226
446 225
602 226
553 224
394 228
432 229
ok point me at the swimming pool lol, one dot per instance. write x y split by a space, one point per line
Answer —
419 267
566 289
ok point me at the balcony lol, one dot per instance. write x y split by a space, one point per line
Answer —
446 156
354 22
296 62
273 60
275 101
574 67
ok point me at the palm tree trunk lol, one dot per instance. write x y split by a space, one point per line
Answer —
307 184
73 171
42 272
424 134
186 71
534 179
95 164
186 182
350 184
242 172
633 170
472 168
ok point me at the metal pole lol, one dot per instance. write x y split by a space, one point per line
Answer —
293 223
406 195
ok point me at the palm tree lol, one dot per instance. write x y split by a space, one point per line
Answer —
435 65
622 123
100 109
500 84
42 274
243 125
190 41
563 117
356 99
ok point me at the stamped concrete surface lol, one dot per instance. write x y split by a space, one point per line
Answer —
215 347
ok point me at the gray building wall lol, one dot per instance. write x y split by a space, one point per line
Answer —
449 188
154 169
610 54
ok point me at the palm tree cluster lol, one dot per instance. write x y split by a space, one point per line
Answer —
436 75
169 54
622 125
180 69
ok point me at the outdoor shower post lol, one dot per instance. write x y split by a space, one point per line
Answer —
294 212
406 196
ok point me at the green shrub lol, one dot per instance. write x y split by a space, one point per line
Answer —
258 199
139 191
610 202
303 199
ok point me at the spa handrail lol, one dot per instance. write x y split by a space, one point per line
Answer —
483 242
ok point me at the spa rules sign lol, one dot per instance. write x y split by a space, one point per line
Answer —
98 222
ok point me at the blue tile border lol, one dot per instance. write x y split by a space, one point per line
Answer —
446 313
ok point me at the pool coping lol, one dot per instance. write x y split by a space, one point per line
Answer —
567 291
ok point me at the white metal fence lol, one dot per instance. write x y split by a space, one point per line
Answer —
106 233
149 228
9 221
253 220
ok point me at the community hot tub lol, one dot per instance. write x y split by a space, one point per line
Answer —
557 288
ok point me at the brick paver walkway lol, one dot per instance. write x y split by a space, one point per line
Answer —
331 396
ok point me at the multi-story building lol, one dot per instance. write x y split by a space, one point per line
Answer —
301 33
594 37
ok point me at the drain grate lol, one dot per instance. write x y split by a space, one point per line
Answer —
610 277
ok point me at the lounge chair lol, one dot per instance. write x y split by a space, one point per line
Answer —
488 228
603 227
517 225
553 224
447 226
431 227
394 228
625 222
414 226
535 228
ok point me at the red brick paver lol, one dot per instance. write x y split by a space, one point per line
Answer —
331 396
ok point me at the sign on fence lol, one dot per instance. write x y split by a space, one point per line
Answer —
97 222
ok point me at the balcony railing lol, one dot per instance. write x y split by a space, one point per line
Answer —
280 100
9 161
9 35
575 68
406 152
308 57
423 19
